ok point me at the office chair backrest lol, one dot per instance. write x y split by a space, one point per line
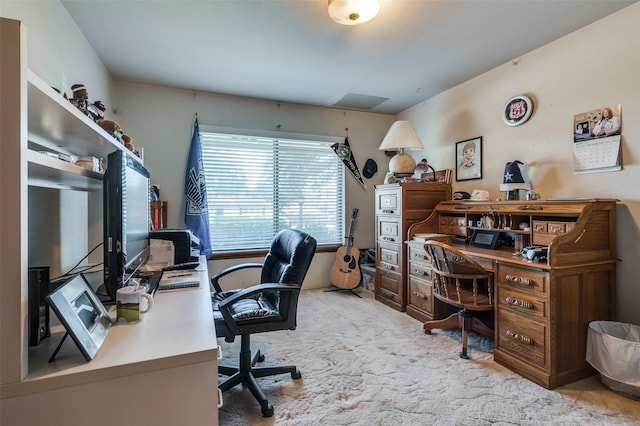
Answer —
289 258
449 261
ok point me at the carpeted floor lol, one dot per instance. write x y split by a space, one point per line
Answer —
363 363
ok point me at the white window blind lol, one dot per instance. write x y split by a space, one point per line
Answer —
259 184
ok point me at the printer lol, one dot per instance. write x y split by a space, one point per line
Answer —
186 245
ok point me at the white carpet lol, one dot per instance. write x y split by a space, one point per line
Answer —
363 363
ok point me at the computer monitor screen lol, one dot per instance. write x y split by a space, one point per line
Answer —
127 219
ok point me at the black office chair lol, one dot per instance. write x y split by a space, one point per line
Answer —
269 306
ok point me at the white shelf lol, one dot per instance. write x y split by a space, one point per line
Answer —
50 172
56 124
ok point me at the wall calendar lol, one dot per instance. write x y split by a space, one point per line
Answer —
597 155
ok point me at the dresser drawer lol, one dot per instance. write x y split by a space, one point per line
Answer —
389 285
389 229
521 303
521 338
389 257
420 295
389 202
523 279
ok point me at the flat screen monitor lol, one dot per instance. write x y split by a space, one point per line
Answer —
127 219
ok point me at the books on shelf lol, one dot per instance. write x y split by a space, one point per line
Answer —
442 176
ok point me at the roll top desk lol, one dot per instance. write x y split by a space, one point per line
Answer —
543 307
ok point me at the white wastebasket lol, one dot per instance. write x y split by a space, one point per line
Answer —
613 348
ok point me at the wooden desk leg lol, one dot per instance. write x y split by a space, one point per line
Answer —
452 321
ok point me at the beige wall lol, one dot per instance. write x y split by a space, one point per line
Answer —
591 68
160 119
588 69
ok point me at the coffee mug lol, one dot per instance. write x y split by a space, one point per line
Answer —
129 301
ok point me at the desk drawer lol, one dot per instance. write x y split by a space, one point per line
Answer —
545 231
520 338
523 279
521 302
420 270
419 256
453 225
487 265
420 295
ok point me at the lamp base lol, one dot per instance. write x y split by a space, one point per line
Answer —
402 165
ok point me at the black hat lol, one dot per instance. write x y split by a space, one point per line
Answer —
514 176
370 168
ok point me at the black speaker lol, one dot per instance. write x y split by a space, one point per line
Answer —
38 307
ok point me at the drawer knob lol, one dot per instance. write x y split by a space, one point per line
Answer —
388 211
419 272
519 337
389 239
518 302
518 280
420 295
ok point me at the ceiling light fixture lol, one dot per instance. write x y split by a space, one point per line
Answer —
353 12
401 136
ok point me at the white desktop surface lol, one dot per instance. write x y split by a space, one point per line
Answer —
171 353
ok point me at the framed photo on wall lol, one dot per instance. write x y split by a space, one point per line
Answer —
469 159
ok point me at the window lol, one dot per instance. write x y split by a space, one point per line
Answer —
259 183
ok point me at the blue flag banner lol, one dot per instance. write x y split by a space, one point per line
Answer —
196 214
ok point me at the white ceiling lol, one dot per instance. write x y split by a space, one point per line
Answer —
291 51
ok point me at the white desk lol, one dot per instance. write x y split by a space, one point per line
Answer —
160 371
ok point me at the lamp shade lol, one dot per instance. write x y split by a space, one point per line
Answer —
401 135
353 12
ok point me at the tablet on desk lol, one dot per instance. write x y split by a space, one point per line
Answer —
485 238
82 314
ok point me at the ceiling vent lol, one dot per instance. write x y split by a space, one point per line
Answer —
361 102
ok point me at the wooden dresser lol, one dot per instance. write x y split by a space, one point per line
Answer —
398 206
543 307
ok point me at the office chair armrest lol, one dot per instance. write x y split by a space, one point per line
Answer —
215 279
225 305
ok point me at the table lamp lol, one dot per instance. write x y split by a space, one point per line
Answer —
401 136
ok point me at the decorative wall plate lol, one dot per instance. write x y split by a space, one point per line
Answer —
517 110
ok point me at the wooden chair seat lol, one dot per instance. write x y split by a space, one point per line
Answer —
461 282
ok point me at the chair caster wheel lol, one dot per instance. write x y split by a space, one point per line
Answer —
296 374
267 411
260 358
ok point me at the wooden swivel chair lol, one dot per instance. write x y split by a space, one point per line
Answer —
461 282
269 306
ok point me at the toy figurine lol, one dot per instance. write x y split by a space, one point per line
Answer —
96 110
80 98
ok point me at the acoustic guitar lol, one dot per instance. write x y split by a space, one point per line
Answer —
345 272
